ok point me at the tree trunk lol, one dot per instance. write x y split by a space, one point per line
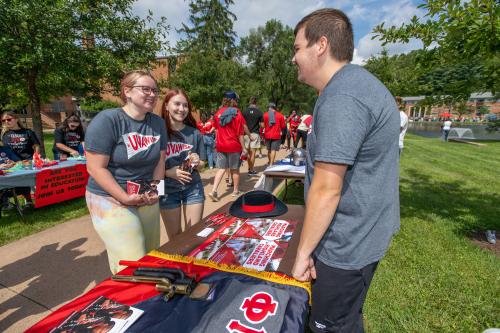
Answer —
36 106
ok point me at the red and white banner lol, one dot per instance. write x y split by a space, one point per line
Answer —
56 185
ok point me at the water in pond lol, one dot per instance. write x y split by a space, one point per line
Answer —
466 132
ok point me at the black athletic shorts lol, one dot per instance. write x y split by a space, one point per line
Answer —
337 298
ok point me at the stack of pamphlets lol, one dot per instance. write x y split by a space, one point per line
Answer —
102 315
257 243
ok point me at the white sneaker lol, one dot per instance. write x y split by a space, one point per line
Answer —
491 236
213 196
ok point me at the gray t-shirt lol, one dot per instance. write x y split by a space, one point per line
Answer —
178 147
356 122
133 146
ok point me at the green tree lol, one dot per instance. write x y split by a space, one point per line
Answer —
451 85
205 76
268 51
211 28
54 48
463 31
400 73
206 61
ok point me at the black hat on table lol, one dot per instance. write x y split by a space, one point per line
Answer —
257 204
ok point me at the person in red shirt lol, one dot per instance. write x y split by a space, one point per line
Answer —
293 121
230 127
274 124
208 132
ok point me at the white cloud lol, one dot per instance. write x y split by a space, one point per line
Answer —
176 12
356 59
368 47
357 12
392 14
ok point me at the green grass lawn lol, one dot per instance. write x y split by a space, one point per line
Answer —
433 279
12 228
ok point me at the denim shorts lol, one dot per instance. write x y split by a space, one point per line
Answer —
191 195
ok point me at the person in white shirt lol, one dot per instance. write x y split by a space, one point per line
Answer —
303 130
403 123
446 129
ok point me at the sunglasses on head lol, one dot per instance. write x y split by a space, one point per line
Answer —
7 119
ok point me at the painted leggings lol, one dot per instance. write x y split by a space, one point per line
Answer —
128 232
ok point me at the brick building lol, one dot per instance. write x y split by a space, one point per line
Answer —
475 102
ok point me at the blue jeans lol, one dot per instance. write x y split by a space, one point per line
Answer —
210 155
57 155
188 196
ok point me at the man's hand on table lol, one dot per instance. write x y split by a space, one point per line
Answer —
303 268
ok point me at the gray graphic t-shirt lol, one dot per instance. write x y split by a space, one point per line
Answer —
356 122
133 146
178 148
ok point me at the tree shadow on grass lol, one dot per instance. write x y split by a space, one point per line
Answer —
53 275
468 208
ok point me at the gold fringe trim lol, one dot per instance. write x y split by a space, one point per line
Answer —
268 276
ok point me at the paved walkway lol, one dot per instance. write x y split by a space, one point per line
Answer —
41 272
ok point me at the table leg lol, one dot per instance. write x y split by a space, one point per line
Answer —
286 189
268 184
16 203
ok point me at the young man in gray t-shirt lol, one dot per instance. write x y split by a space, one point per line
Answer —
352 173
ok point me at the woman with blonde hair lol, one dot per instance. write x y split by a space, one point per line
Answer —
21 140
24 143
125 145
184 193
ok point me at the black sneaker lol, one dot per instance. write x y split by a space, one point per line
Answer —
9 206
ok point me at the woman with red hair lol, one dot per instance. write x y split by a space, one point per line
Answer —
184 158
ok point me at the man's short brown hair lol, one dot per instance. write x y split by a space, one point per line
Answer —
335 26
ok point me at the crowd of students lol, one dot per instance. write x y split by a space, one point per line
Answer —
131 143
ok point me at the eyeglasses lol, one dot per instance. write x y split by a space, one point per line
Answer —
148 90
7 119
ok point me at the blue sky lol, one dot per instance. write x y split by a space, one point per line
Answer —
364 15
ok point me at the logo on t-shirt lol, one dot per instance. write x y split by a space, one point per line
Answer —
176 148
136 142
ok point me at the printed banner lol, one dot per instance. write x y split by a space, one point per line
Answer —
56 185
257 243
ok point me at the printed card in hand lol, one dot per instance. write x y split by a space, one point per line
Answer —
133 187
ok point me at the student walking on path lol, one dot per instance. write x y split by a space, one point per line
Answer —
229 124
303 129
274 124
352 173
255 121
446 129
208 132
403 125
